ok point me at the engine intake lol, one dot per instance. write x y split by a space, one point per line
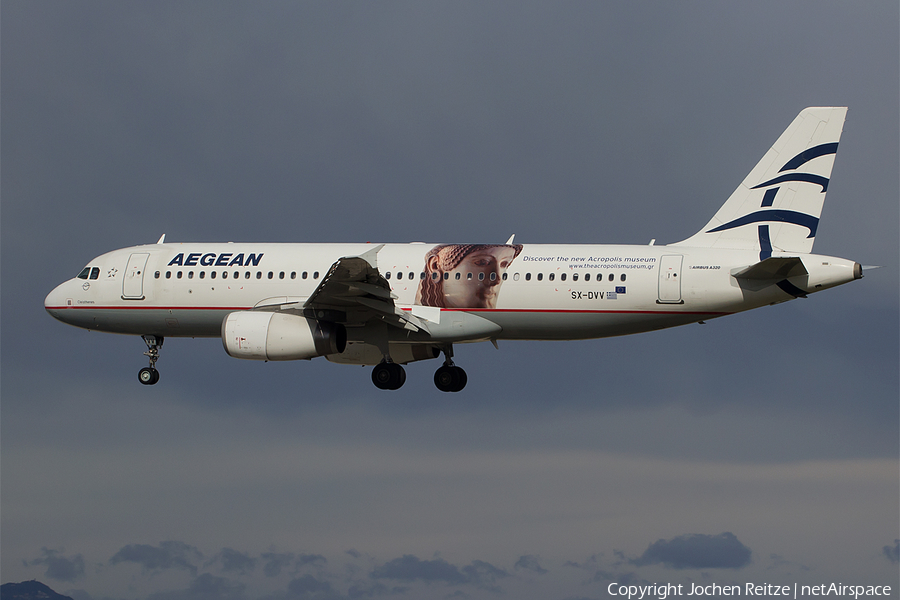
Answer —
264 335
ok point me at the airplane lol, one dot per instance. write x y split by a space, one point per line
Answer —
388 305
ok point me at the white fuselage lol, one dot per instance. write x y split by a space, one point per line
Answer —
547 292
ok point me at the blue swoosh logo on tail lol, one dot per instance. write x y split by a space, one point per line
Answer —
775 215
807 177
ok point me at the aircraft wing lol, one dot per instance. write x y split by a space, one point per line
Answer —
354 286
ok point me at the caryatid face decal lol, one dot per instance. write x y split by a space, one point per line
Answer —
465 275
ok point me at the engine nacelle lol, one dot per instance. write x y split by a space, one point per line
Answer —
264 335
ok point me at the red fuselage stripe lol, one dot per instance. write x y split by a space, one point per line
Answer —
471 310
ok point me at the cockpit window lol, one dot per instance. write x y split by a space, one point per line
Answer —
84 274
95 273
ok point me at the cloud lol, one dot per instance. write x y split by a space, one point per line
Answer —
410 568
529 562
481 573
697 551
169 555
59 567
309 559
310 588
374 589
892 552
234 561
275 562
205 587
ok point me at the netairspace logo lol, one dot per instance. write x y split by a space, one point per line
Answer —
663 591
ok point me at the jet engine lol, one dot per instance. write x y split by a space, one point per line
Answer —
264 335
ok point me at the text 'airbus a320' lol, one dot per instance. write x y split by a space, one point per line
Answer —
388 305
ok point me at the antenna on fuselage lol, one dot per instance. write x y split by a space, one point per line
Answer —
510 240
162 239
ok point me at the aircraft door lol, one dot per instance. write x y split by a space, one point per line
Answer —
670 279
133 282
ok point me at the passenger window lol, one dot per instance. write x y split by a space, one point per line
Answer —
315 274
574 276
515 277
527 276
246 274
434 275
95 272
281 275
458 275
224 274
84 273
481 276
293 274
156 275
191 274
622 277
540 276
551 276
562 276
212 275
303 275
168 274
412 275
446 276
387 275
493 277
468 277
259 274
271 275
612 277
236 275
587 276
178 275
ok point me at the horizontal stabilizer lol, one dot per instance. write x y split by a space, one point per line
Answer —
773 268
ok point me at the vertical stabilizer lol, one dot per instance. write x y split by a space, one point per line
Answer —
778 205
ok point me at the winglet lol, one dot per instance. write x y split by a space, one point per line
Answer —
162 239
371 256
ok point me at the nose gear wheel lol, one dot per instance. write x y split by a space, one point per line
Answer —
149 375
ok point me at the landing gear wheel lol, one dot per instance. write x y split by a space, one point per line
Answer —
388 376
148 376
450 378
462 379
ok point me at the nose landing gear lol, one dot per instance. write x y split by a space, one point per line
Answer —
149 375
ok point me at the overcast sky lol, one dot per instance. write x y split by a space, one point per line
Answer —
758 448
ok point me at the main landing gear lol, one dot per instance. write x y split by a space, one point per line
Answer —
449 377
149 375
389 375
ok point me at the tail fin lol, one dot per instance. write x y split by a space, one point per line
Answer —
778 205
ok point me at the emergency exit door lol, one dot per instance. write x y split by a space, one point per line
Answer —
670 279
133 283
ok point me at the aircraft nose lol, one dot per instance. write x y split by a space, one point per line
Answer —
56 301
